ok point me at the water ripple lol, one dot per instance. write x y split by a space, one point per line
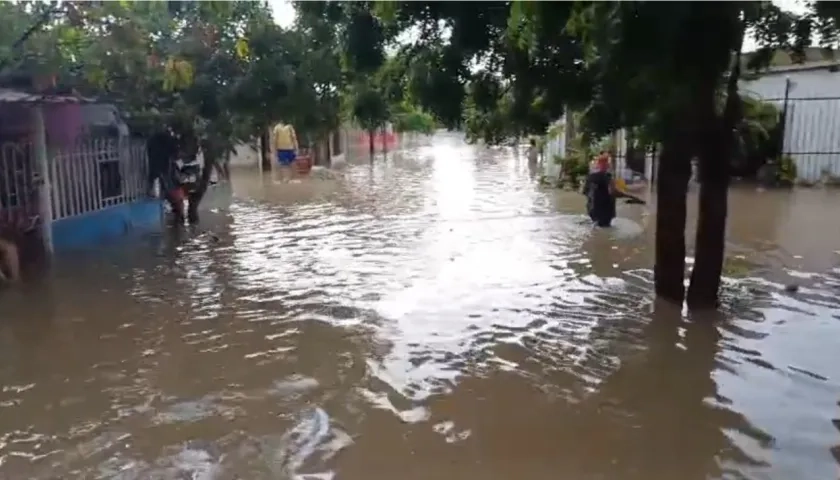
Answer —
433 313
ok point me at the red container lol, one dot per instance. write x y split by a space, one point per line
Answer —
303 164
178 194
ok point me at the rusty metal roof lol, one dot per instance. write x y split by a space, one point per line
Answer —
8 95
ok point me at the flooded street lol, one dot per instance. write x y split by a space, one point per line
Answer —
433 315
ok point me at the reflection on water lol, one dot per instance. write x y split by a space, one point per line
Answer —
433 315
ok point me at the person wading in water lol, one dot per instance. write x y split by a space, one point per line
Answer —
162 149
173 163
285 143
600 191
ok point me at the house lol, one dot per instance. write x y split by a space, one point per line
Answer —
70 172
810 93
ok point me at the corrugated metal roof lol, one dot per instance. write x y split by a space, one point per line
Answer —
8 95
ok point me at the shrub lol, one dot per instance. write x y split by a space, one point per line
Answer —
786 174
574 167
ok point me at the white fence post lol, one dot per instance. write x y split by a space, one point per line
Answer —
42 166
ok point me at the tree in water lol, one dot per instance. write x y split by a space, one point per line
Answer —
507 69
370 110
686 70
363 57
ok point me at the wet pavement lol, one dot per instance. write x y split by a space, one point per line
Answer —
433 315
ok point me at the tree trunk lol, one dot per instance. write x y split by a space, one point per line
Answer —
195 198
674 170
265 150
570 132
320 151
327 159
384 141
315 152
710 241
715 162
371 138
713 169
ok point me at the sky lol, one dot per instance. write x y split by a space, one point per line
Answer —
284 14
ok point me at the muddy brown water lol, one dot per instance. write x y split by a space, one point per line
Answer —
434 315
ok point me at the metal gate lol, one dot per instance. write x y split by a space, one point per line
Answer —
19 209
811 135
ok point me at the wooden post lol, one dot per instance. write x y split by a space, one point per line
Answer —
42 167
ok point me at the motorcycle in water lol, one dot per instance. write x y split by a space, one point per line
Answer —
187 173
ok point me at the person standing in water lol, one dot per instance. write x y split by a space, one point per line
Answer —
533 153
533 157
600 191
284 141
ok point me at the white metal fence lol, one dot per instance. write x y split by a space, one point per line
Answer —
90 175
94 174
18 191
812 135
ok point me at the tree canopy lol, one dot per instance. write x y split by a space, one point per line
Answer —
495 69
224 69
502 69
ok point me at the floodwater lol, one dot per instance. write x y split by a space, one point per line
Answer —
433 315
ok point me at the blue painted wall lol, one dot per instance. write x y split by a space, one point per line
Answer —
95 228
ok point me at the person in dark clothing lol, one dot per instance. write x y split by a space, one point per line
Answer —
600 193
162 150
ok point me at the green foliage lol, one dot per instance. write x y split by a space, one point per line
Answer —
363 37
443 74
555 131
221 69
756 134
575 167
498 69
368 105
786 173
410 119
487 114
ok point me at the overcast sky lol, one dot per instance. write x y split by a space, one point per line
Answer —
284 14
